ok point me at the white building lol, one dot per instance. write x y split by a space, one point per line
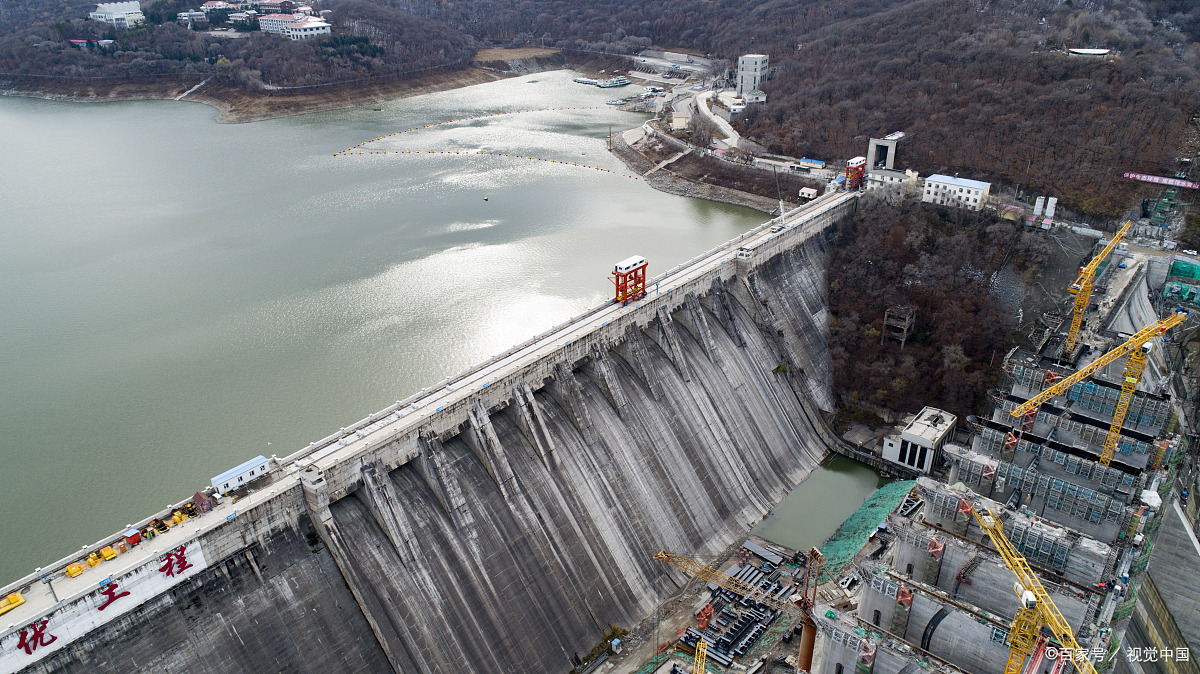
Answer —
957 192
306 28
904 181
755 96
120 14
191 17
752 69
919 445
293 26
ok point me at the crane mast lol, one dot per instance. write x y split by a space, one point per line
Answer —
1082 287
1135 347
1037 609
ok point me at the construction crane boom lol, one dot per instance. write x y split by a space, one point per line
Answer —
1037 608
1082 287
1134 342
708 574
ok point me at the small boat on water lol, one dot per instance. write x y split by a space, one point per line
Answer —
586 80
618 81
619 101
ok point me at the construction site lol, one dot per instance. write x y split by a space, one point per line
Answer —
1054 535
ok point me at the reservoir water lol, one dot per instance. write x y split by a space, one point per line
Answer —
177 296
816 507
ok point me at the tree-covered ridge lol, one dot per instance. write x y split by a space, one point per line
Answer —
369 40
983 87
942 263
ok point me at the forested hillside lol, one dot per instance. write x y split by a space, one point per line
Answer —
941 263
370 40
983 87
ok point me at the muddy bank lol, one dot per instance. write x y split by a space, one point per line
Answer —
235 104
666 181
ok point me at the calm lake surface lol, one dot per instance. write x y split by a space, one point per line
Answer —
178 296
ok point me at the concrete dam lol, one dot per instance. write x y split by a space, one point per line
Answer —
501 521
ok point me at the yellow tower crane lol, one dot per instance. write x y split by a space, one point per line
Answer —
701 650
1036 610
1082 287
1137 347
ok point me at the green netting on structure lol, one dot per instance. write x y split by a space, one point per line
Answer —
852 535
1184 269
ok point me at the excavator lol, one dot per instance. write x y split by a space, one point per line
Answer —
1137 348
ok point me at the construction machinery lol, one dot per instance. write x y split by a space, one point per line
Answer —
701 649
1137 348
1036 609
802 607
1082 287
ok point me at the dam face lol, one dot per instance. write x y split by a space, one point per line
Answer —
514 538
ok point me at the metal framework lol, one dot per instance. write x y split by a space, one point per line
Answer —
708 574
701 655
1082 287
1133 369
1028 622
630 285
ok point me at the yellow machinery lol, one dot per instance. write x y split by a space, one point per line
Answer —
10 602
807 592
1136 347
701 651
1082 287
1037 609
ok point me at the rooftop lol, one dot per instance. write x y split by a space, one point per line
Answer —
240 468
958 182
931 423
119 7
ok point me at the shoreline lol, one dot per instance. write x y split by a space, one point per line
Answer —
665 180
234 105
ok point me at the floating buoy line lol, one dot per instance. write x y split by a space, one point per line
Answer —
361 148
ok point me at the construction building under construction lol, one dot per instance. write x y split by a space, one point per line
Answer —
1030 547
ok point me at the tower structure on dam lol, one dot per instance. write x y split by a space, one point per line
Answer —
1104 531
502 520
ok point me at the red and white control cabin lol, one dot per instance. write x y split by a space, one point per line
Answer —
629 277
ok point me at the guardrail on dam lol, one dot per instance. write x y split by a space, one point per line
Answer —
485 412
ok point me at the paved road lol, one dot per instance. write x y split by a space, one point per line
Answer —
732 138
471 383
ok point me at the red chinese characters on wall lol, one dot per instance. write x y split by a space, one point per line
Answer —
35 636
110 591
175 562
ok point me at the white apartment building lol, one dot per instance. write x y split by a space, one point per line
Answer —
919 445
752 70
957 192
120 14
